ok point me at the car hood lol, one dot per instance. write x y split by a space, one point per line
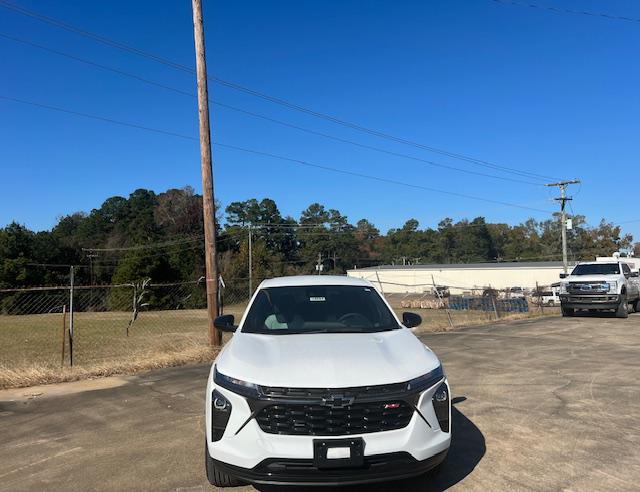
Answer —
321 360
593 278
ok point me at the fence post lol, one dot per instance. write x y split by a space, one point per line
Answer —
539 298
435 289
64 329
71 292
379 283
493 301
221 287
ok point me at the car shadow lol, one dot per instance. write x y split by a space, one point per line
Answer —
467 449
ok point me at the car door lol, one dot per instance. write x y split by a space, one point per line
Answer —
632 282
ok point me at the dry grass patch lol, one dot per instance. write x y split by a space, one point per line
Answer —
31 345
36 374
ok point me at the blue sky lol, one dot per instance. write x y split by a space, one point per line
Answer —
526 88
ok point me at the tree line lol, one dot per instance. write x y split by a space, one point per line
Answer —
160 236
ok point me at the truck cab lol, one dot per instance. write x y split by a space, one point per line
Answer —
601 286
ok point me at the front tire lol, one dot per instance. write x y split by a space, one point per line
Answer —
623 308
567 311
216 477
636 306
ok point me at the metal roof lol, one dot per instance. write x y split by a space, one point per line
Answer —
470 266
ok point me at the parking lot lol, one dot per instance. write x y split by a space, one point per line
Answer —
544 404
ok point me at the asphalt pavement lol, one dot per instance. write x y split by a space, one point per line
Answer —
544 404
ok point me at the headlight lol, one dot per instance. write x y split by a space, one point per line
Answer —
236 385
441 406
563 288
220 413
613 286
426 381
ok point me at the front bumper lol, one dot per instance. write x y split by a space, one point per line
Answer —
251 454
590 301
302 472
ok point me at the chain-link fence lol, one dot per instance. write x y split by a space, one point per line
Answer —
441 310
103 329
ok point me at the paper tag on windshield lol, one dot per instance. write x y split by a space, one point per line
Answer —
317 299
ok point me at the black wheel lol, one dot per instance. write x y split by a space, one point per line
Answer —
567 311
216 477
623 308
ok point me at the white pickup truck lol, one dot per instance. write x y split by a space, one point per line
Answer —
600 286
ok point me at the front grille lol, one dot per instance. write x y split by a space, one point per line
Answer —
588 287
359 392
321 420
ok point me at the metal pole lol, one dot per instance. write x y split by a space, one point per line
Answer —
91 257
250 262
379 283
539 297
71 292
206 165
493 302
64 329
435 288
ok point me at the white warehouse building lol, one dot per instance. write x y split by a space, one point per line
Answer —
461 277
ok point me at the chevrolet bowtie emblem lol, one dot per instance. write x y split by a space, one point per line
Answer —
337 401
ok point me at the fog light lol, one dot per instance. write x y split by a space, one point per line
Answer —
220 413
220 403
441 406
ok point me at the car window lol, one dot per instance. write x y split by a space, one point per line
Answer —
597 269
318 309
625 268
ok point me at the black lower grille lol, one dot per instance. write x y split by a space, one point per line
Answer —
321 420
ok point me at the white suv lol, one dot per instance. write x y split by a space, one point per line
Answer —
322 384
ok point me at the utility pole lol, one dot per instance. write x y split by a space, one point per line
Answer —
250 262
206 165
563 199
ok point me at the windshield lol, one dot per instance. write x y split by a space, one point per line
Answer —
597 269
318 309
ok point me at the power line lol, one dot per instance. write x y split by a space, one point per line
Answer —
354 126
380 179
275 156
99 118
562 10
140 247
264 117
146 246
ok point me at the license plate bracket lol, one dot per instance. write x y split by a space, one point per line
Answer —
323 446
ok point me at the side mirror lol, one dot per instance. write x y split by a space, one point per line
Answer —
411 320
225 323
635 274
563 275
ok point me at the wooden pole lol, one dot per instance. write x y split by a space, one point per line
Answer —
206 165
64 329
